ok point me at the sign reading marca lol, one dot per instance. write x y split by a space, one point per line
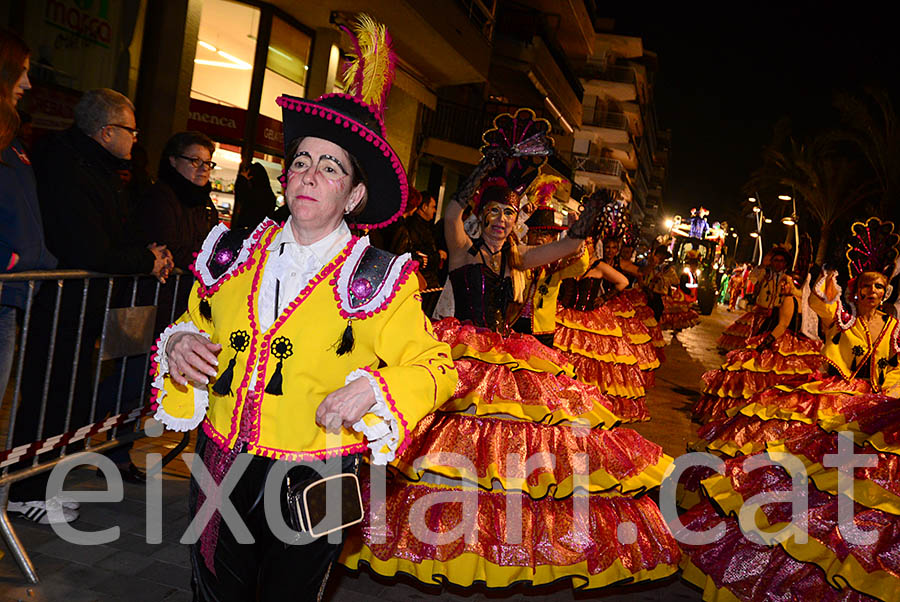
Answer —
86 19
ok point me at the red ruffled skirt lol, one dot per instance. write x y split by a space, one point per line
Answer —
733 567
803 422
678 312
577 538
526 446
748 325
596 343
791 360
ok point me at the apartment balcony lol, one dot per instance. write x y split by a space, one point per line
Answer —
616 81
596 172
611 127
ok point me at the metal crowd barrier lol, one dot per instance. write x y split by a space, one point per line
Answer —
105 326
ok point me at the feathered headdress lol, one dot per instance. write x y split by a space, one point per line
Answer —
613 221
369 72
872 248
540 193
543 188
524 142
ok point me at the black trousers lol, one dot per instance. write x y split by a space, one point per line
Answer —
268 569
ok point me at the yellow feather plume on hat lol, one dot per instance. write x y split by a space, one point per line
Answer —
369 73
543 188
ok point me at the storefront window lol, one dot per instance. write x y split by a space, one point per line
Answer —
286 67
223 64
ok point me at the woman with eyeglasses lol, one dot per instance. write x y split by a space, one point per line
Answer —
177 211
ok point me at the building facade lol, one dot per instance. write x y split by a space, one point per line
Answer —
218 65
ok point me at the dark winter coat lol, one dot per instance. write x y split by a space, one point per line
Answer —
21 229
85 207
177 213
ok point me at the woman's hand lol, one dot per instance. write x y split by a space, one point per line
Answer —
192 358
346 406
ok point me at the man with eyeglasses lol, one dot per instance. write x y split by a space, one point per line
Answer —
87 223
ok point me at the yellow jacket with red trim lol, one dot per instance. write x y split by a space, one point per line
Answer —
546 292
394 345
852 349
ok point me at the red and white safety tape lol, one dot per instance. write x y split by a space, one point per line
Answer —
35 448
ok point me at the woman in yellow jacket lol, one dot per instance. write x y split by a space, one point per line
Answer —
301 343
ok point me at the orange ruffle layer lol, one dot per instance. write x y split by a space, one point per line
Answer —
600 321
618 459
613 379
539 396
467 340
604 348
808 402
549 534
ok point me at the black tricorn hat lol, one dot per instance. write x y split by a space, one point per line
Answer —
355 127
543 219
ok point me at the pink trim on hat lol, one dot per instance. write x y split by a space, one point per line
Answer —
364 132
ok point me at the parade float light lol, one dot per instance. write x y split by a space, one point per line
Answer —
669 223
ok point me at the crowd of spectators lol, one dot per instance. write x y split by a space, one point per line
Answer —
84 199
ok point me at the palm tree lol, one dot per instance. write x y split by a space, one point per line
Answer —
826 184
872 127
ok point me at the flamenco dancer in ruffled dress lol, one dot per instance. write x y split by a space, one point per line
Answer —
781 355
483 518
622 260
598 330
844 557
678 306
767 280
618 233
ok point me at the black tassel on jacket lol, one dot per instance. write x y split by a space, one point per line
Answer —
345 345
223 383
239 340
282 348
205 309
274 386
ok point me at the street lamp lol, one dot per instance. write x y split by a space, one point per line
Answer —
789 221
754 235
768 220
756 209
669 223
785 197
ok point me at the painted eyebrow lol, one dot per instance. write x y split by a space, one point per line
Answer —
325 156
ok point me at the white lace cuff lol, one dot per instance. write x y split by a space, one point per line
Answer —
201 395
819 290
382 436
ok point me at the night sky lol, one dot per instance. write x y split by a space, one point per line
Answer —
730 70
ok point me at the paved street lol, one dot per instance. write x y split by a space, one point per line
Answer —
131 569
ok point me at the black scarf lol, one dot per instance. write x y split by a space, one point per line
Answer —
187 192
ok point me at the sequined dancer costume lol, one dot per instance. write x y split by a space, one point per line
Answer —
804 420
517 398
599 343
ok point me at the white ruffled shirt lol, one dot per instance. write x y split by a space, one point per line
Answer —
288 270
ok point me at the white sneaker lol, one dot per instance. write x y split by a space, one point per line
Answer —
67 502
44 513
